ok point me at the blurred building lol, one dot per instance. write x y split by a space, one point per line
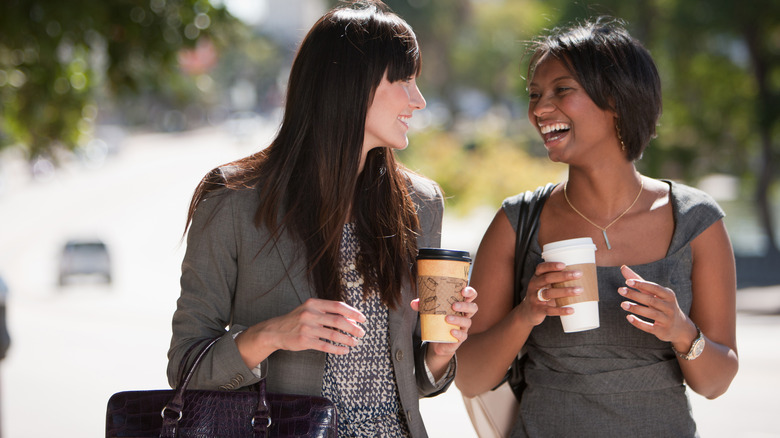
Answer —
290 20
287 21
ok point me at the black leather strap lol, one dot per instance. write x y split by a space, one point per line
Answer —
527 224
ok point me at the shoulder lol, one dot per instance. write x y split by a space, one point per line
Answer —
688 201
512 204
221 204
425 193
421 186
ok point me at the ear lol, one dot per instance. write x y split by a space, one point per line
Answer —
612 107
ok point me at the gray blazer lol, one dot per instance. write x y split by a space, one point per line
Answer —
234 276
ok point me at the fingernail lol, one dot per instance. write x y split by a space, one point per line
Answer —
622 291
575 274
630 282
625 305
578 290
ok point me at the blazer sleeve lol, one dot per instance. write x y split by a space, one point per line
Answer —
203 310
430 210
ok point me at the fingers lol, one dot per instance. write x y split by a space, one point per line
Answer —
323 325
548 267
653 308
337 307
629 273
542 293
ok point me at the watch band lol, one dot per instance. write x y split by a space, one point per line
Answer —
696 347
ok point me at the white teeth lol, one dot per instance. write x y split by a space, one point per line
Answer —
546 129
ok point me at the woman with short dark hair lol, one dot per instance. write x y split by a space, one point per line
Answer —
665 267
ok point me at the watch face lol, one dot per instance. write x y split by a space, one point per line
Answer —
698 348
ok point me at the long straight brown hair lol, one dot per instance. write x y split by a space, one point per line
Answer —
309 178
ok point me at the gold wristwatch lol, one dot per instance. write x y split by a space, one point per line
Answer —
696 348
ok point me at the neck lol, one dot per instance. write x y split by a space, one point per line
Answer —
611 190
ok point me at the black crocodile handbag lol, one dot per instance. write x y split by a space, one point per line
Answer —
183 413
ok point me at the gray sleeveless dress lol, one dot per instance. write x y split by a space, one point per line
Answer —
615 380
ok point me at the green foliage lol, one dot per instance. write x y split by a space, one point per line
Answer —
479 172
54 57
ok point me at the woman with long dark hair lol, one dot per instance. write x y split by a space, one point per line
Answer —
300 256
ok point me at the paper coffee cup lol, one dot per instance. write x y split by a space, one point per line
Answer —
441 276
578 255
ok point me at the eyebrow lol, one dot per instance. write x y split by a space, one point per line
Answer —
559 78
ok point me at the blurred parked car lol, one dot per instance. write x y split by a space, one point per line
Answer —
84 258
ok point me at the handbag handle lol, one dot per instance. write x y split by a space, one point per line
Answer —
261 421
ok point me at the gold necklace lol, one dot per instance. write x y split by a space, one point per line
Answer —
604 229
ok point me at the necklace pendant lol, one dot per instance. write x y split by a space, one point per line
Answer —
606 239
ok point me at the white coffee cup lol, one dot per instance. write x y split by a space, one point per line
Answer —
580 255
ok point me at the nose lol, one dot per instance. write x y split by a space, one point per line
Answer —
542 106
416 99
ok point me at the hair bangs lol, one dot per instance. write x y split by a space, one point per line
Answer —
404 57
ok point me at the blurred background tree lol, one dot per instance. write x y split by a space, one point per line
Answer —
177 64
63 62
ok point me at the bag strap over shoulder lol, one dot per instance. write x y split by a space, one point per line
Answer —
527 224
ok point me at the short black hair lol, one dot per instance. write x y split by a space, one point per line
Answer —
616 71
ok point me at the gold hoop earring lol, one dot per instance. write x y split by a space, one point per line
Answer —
622 145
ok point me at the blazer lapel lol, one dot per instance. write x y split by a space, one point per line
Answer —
294 266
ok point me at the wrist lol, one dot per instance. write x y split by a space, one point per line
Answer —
253 346
692 343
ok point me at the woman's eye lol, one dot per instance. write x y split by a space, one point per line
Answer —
533 96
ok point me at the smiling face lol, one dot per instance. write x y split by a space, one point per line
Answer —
567 118
387 119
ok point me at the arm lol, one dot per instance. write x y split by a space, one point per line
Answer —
204 309
434 359
713 310
488 352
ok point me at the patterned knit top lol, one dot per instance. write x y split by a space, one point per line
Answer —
362 383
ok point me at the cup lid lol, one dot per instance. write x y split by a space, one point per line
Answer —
579 242
443 254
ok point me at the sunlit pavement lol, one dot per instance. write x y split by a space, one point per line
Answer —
73 347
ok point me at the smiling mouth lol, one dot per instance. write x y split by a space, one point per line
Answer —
554 131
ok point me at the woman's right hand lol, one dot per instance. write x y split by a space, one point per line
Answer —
539 301
317 324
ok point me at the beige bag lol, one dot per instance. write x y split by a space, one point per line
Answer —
493 413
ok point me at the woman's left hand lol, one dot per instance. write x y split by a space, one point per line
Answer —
655 302
466 308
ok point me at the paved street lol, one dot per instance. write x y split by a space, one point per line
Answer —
73 347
